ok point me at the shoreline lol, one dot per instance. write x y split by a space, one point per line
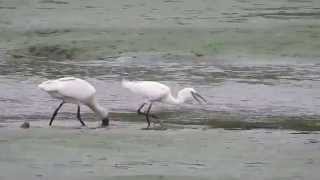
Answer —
124 151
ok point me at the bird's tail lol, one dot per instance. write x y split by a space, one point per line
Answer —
50 85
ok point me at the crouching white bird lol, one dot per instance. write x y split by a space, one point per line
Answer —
157 92
75 91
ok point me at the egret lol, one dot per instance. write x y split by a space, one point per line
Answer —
157 92
75 91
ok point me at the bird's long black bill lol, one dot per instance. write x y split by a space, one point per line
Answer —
197 97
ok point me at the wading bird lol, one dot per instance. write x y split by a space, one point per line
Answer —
157 92
75 91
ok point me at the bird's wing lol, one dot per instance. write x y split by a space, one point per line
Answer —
69 87
148 89
50 86
55 85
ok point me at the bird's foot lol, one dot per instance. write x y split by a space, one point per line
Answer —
146 128
155 128
161 126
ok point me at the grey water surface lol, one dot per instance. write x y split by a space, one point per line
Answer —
236 90
255 61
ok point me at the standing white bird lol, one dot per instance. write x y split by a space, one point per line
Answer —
157 92
75 91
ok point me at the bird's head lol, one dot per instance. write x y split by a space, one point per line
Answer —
190 93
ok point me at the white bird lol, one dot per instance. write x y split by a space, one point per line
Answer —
157 92
75 91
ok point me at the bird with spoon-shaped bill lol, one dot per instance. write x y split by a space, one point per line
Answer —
75 91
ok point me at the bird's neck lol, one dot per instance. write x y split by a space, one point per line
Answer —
175 100
99 110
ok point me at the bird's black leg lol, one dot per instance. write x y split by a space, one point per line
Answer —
79 117
142 113
139 110
55 113
147 114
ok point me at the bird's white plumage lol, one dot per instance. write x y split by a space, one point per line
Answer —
150 90
76 91
155 91
69 89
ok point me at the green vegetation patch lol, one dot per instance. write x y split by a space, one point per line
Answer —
293 123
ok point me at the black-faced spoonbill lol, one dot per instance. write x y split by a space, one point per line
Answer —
157 92
75 91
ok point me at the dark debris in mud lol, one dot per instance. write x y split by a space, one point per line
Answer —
8 7
312 141
304 132
285 15
47 32
54 52
54 2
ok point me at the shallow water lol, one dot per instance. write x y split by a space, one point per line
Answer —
252 60
241 90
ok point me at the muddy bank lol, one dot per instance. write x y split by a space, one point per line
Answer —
124 151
